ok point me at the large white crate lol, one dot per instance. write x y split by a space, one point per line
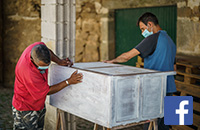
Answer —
110 94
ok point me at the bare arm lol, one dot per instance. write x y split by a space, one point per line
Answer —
56 59
74 79
125 56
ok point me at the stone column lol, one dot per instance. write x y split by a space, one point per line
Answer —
58 26
107 47
58 32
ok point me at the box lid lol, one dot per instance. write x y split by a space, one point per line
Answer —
112 69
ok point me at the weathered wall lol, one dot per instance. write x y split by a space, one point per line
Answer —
188 26
188 22
95 41
87 30
1 53
93 24
21 28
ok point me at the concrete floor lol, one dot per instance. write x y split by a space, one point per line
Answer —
6 119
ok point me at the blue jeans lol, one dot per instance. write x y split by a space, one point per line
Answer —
28 120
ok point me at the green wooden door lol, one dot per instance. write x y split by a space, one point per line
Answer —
128 35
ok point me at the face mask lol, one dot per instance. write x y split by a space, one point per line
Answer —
146 33
43 67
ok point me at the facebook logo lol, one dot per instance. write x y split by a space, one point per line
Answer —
178 110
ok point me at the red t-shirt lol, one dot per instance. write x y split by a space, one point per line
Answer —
31 87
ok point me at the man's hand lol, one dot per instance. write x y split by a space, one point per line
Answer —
124 57
75 78
65 62
109 61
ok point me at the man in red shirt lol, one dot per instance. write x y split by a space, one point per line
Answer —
31 86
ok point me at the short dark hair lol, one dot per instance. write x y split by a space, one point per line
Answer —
146 17
41 53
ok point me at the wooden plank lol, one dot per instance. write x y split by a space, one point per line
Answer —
150 125
196 120
188 88
196 106
188 75
185 90
188 59
183 94
73 118
139 59
95 126
58 122
188 92
155 124
188 65
69 124
139 64
62 120
189 71
130 125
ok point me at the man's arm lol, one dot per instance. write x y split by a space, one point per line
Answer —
64 62
54 58
74 79
125 56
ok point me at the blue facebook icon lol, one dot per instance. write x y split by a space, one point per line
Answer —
178 110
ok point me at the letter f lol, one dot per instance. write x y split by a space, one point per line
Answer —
181 111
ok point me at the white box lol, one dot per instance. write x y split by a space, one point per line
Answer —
110 94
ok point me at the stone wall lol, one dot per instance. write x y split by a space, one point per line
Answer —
188 26
188 22
1 47
94 28
88 34
95 40
21 24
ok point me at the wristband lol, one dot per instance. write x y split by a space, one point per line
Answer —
67 82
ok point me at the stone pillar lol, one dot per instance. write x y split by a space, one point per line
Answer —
1 46
58 32
107 47
58 26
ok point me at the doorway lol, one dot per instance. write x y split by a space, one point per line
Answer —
128 35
